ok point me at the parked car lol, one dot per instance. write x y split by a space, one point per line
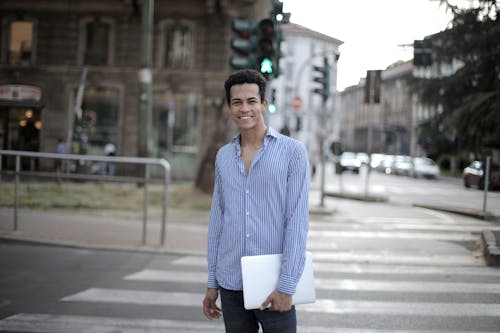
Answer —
376 160
474 175
363 158
348 161
402 165
386 164
424 167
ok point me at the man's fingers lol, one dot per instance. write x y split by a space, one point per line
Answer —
268 303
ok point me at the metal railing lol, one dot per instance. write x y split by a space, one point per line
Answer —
145 179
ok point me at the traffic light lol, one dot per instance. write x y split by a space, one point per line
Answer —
245 44
266 57
323 78
279 18
422 53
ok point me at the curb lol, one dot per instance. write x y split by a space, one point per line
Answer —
98 247
462 211
490 247
357 196
321 211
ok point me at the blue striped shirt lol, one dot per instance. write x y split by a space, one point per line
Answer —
263 212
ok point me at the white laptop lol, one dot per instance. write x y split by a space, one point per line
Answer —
261 276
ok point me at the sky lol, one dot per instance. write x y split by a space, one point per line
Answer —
372 30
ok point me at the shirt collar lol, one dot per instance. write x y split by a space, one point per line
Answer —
271 133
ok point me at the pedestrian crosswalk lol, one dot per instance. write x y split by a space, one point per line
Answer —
363 290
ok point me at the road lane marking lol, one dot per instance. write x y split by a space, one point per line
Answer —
367 268
448 236
41 323
122 296
402 308
25 322
168 276
338 284
395 258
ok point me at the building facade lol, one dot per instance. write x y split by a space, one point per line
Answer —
50 49
385 124
300 111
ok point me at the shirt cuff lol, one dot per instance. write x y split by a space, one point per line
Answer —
212 281
287 284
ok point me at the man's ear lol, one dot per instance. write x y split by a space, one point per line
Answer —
265 103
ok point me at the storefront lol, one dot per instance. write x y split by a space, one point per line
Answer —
20 118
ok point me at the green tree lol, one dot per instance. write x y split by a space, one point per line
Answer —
467 102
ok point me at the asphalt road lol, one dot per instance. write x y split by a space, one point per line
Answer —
404 190
378 267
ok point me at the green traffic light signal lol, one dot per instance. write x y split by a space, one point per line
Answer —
266 66
272 108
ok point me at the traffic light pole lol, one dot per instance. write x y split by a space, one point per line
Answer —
322 119
146 79
323 151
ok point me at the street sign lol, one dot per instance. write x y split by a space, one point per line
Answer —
297 102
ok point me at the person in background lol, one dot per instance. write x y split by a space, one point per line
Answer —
110 150
260 206
61 149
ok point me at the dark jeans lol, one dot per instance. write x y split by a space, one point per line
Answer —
239 320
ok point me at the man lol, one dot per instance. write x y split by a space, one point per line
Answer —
260 206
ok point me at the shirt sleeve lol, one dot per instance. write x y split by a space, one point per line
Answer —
297 222
214 230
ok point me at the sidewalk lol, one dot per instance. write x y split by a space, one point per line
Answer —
186 230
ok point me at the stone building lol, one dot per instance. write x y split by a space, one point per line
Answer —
47 47
385 126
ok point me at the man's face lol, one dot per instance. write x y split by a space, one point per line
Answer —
245 105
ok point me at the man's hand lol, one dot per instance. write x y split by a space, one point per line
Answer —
210 309
279 302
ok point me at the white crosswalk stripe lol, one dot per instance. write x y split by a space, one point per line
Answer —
99 295
39 323
339 267
25 322
336 284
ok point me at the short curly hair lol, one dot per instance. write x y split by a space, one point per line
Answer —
246 76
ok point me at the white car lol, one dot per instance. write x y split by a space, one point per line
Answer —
424 167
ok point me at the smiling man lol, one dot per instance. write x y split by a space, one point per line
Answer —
260 206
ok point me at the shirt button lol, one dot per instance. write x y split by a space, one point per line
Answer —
247 191
248 213
248 235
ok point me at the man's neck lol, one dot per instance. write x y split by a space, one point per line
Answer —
254 137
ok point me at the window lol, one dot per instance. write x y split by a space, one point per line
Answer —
99 122
96 43
176 44
176 119
20 49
